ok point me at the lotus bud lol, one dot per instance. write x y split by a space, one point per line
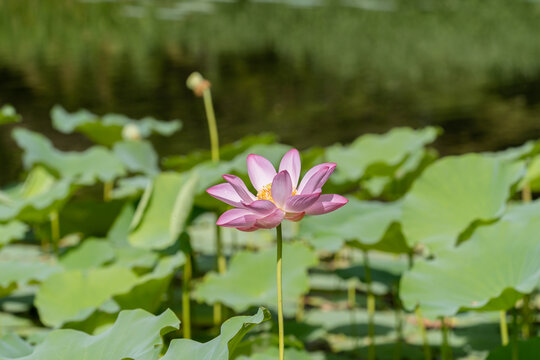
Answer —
197 83
131 132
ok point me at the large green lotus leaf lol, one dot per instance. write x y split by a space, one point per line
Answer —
219 348
13 347
108 129
11 231
131 187
452 194
21 265
375 154
490 271
526 350
74 295
150 288
9 115
91 253
365 223
34 199
96 163
162 213
250 279
136 334
137 156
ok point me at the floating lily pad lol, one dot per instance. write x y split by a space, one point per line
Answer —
219 348
365 224
490 271
13 230
107 130
162 213
241 287
9 115
377 155
87 167
136 334
452 194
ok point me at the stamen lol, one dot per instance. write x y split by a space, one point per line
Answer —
266 193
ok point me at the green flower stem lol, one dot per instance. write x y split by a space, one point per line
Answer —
526 196
107 191
214 147
186 306
399 324
446 350
222 268
55 230
351 293
279 269
526 317
422 328
370 308
212 125
504 327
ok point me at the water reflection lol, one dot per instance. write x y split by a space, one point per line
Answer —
314 71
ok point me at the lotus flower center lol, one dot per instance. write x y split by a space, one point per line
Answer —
266 193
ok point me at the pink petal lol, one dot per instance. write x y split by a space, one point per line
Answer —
248 229
295 216
299 203
270 221
281 188
315 178
326 203
260 171
226 193
237 218
260 207
291 163
240 188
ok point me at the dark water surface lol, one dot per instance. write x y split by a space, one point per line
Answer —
314 72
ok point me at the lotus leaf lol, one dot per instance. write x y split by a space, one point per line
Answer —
366 224
137 156
490 271
12 347
34 199
136 334
108 129
452 194
526 349
241 287
163 211
13 230
219 348
92 253
377 155
96 163
73 295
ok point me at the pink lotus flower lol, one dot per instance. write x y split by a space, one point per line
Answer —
278 194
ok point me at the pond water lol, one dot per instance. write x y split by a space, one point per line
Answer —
314 72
